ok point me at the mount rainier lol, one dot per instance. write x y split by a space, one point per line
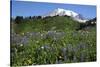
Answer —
63 12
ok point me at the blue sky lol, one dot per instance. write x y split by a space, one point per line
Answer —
22 8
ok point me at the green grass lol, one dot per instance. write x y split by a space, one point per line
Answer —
80 45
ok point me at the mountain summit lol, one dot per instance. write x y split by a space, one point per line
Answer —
63 12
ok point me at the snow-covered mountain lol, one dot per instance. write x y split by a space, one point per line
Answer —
63 12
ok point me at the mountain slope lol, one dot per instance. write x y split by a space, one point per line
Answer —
60 23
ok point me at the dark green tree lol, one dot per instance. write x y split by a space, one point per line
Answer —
19 19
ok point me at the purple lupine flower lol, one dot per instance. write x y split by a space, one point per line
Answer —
69 47
74 58
25 40
64 51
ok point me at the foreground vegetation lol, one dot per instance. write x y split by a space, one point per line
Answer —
51 40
